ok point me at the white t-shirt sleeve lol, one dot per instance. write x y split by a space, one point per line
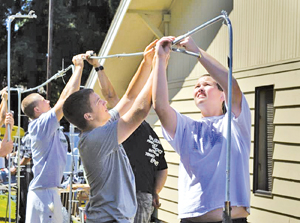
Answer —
181 133
45 126
243 121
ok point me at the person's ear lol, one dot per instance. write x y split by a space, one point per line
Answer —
88 116
36 109
223 96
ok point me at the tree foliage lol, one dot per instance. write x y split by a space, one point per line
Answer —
78 26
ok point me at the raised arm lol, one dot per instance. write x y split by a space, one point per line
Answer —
160 96
218 72
141 106
129 122
3 106
7 146
72 85
138 81
106 87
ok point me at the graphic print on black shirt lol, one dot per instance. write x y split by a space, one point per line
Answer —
146 156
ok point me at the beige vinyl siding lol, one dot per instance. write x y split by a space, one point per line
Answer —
260 215
286 152
286 156
265 31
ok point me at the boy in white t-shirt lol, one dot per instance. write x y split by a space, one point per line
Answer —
49 150
202 144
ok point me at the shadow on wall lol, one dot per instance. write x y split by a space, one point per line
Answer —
186 17
192 16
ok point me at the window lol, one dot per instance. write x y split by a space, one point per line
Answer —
263 140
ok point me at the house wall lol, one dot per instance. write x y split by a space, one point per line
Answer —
266 38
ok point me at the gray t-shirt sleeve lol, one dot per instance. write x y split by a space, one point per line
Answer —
103 140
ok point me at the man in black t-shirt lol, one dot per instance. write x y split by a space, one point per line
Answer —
147 159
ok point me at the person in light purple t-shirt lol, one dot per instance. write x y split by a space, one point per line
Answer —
49 151
202 144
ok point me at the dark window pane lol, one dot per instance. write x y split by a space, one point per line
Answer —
263 139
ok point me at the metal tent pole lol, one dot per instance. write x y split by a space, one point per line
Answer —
71 136
19 148
10 19
204 25
227 205
60 73
177 40
72 130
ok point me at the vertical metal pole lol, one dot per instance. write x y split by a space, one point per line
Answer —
8 69
19 148
10 19
49 58
71 136
227 206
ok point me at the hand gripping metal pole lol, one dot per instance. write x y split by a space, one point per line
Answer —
204 25
30 15
177 40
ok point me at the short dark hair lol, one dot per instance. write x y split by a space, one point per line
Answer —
76 105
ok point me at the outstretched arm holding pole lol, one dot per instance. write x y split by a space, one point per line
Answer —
6 145
72 85
217 71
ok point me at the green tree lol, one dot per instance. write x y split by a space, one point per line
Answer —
78 25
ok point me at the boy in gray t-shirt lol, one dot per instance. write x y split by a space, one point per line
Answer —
115 186
112 185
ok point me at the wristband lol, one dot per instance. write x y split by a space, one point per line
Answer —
99 68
